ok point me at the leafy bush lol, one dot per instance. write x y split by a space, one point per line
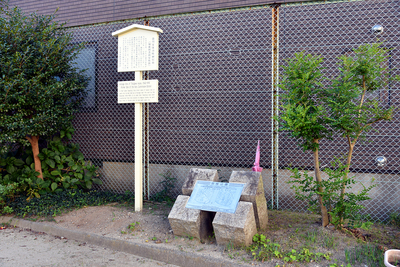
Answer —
63 167
168 185
7 191
394 219
41 88
339 208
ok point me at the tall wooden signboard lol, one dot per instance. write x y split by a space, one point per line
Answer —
138 52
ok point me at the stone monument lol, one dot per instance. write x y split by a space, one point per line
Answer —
253 192
230 225
238 228
190 222
198 174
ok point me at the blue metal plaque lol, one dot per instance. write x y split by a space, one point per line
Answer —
214 196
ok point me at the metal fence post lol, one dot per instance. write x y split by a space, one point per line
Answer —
275 104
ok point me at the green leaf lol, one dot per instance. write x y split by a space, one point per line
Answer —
10 169
19 162
29 160
56 172
53 186
41 156
88 184
51 163
97 181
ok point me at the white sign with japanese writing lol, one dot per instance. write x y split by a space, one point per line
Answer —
138 91
138 51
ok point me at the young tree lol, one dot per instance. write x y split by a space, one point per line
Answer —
313 110
304 115
40 89
353 114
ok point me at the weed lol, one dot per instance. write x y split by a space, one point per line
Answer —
369 254
263 249
133 226
230 246
168 185
7 210
394 219
154 238
329 242
123 232
311 236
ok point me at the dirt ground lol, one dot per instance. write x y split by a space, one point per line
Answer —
292 230
149 226
27 248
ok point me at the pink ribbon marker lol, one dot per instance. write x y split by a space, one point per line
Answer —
257 167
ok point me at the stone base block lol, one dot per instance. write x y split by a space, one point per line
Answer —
198 174
253 192
237 228
190 222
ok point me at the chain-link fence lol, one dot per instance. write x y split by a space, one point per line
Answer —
215 97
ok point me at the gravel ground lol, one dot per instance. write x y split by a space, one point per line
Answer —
20 247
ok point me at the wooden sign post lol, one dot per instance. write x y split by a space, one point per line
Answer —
138 52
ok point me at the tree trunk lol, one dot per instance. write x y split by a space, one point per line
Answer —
34 140
324 212
347 169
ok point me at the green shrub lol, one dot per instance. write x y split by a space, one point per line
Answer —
339 208
7 191
394 219
168 185
64 167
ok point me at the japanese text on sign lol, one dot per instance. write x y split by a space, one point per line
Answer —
138 52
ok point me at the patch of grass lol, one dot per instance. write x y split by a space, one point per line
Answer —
329 242
54 204
369 254
394 219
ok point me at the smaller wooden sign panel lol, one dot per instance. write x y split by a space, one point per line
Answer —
138 91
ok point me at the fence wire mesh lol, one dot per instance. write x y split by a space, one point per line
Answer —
215 97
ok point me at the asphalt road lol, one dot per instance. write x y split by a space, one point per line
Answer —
20 247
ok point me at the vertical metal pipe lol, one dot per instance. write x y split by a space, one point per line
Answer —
146 148
275 104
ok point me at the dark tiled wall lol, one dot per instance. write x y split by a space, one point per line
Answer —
82 12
